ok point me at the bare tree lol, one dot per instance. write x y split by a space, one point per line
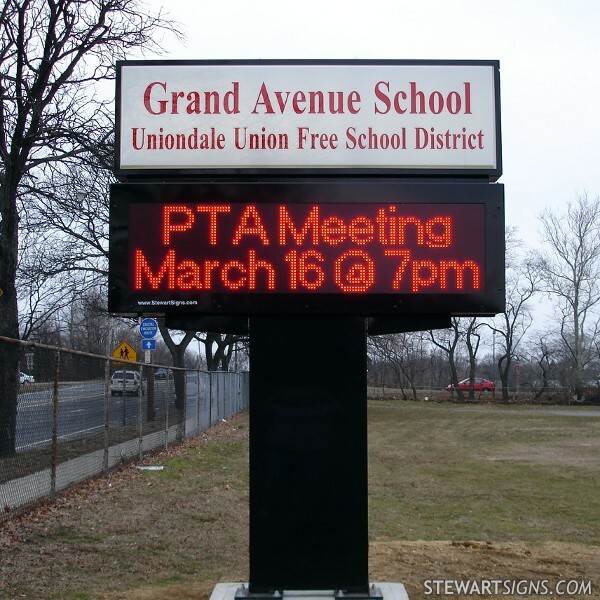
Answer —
472 341
570 266
407 354
52 55
523 280
41 298
63 241
544 353
67 219
447 340
178 353
219 349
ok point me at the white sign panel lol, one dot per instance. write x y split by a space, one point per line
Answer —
439 116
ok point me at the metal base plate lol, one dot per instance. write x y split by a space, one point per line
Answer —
377 591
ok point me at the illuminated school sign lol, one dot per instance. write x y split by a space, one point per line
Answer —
257 248
391 117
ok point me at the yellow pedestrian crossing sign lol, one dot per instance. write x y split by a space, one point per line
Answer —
124 351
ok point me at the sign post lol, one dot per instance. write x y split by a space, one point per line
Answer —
148 331
308 451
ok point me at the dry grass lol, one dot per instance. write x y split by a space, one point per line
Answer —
456 492
115 533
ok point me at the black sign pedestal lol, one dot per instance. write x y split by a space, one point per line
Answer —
308 454
308 461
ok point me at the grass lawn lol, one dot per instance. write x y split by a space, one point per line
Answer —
455 490
447 471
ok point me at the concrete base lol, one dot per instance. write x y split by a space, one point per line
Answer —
390 591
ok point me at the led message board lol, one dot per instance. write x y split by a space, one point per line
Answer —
185 118
257 248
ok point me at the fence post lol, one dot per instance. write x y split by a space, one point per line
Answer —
140 416
168 396
218 394
221 396
124 395
181 430
54 457
198 424
106 415
210 397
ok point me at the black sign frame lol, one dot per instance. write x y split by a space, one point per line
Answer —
488 302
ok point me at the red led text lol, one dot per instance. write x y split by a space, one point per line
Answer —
308 248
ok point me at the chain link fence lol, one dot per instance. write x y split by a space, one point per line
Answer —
66 416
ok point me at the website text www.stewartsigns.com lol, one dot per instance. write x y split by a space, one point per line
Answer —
507 587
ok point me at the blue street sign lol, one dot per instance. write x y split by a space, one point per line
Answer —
148 328
148 344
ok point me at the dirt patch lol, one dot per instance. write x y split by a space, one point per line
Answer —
195 591
565 454
419 565
414 563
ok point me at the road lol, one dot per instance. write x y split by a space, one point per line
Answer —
80 411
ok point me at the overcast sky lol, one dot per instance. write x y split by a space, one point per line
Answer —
549 72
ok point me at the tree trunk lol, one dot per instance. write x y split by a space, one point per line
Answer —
219 358
504 372
472 383
9 385
454 375
178 354
179 377
9 322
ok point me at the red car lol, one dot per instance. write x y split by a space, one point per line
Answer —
479 385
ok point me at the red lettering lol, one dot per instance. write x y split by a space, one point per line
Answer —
263 101
314 141
354 271
424 274
305 269
254 265
213 210
311 102
361 230
251 224
209 267
162 104
404 256
330 247
333 231
142 270
419 102
286 224
189 275
439 232
459 272
225 275
156 103
169 211
298 103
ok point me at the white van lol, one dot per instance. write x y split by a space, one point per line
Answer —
132 385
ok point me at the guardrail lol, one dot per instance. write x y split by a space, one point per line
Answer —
73 415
